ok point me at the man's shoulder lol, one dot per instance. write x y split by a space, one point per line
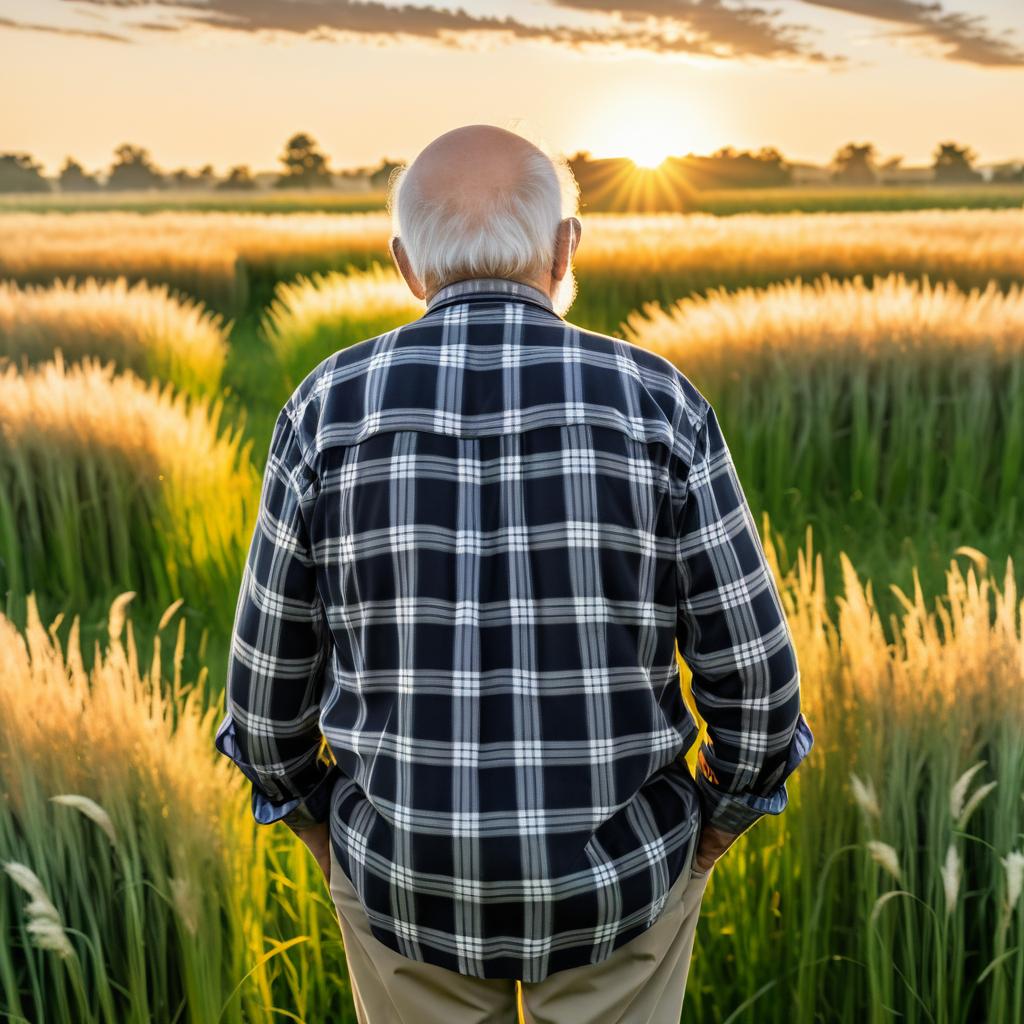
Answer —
682 402
333 372
647 387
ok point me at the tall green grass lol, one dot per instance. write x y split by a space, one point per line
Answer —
233 261
108 482
626 261
312 317
884 411
721 202
165 902
848 199
849 906
136 887
886 414
141 327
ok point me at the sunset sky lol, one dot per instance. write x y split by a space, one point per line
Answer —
227 81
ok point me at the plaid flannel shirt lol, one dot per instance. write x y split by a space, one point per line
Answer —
479 539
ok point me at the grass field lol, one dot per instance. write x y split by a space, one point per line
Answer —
721 202
234 261
868 369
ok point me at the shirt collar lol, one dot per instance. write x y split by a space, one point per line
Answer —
472 288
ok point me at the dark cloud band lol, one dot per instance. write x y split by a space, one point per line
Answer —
737 29
704 27
62 30
966 38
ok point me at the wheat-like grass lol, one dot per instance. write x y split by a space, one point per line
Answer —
191 906
864 876
44 922
312 317
138 762
732 334
208 255
903 717
622 260
141 327
130 748
108 481
981 244
895 405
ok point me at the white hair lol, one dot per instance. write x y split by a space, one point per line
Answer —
510 233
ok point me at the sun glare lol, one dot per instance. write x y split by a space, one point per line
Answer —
647 123
647 143
647 153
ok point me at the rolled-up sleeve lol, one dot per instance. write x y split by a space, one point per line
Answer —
733 634
279 648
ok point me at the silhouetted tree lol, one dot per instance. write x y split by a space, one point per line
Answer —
20 173
203 178
133 169
953 163
239 179
729 168
353 173
74 178
855 164
1010 173
378 177
304 165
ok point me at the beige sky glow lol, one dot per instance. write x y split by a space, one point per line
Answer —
226 81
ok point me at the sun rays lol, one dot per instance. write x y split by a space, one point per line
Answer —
630 186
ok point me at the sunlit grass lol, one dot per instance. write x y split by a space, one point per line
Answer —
719 201
624 261
108 482
850 906
234 260
310 318
137 886
896 408
141 327
884 413
196 200
227 259
845 908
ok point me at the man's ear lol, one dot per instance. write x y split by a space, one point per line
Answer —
567 240
401 258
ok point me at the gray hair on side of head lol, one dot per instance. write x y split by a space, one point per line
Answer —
512 234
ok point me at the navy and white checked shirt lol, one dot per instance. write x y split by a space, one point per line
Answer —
479 538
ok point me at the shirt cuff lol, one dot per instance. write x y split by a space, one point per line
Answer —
269 802
736 812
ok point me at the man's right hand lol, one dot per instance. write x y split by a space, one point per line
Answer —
713 842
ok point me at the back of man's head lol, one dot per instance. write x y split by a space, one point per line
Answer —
480 201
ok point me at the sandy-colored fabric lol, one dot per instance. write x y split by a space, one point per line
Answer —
642 982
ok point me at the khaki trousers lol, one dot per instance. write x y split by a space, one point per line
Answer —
642 982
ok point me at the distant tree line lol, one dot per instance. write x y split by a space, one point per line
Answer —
305 166
952 164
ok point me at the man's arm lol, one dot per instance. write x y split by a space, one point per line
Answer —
279 646
733 634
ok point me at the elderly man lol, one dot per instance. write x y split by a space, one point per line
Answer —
480 537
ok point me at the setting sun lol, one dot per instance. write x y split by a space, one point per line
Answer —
648 153
646 126
645 140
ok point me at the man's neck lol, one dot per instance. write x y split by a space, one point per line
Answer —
540 285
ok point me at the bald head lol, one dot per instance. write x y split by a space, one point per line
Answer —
473 167
480 201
